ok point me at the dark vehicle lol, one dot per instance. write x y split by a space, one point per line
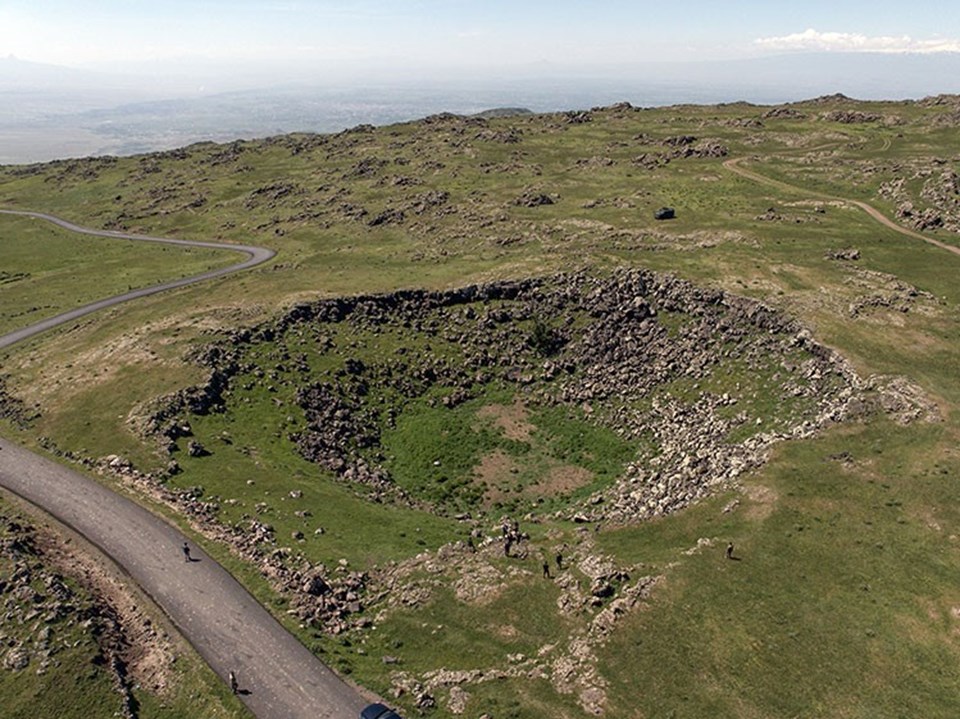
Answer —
379 711
665 213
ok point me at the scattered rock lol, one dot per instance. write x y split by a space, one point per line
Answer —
532 198
195 449
847 255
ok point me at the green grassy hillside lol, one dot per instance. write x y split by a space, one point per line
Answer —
841 599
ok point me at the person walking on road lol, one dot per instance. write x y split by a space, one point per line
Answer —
186 553
233 682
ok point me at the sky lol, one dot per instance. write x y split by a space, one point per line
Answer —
479 34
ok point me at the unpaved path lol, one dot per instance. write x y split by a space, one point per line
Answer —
278 677
734 166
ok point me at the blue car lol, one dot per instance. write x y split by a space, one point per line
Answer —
379 711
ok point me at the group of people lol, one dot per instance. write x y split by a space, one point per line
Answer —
510 528
546 564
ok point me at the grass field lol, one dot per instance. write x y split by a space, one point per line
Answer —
842 602
48 270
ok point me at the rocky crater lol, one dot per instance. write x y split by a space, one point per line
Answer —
694 383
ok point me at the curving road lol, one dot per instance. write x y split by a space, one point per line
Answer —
277 676
255 256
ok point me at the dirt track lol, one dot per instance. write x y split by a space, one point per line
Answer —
734 166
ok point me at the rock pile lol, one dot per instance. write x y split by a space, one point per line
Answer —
13 409
936 206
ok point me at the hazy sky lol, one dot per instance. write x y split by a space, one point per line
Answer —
463 33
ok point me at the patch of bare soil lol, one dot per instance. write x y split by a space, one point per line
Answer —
562 479
512 420
68 372
479 583
507 631
762 501
496 471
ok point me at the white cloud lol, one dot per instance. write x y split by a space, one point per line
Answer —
855 42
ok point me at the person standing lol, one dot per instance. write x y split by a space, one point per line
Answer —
186 553
233 683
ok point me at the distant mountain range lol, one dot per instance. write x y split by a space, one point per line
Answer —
48 112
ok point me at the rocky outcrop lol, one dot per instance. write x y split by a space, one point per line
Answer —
534 198
13 408
592 587
44 608
936 206
783 113
851 117
681 147
850 254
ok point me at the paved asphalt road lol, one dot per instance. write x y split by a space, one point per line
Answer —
278 677
255 256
